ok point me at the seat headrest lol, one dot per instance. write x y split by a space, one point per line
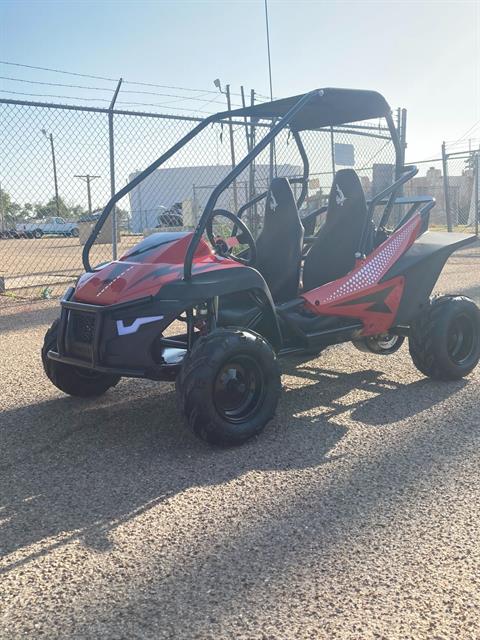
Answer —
346 189
280 198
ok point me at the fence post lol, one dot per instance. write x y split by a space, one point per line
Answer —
111 147
402 126
332 150
403 134
477 189
445 188
3 225
232 146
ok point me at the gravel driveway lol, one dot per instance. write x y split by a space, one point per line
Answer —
355 515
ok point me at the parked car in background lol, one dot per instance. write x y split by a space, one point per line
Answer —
172 217
8 234
54 226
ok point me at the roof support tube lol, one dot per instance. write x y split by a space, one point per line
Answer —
236 171
133 183
306 168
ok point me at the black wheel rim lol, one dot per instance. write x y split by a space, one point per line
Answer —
462 338
238 389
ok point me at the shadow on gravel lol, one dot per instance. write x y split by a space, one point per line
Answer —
370 507
382 401
79 468
28 318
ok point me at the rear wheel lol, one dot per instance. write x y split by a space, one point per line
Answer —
76 381
383 345
229 386
38 233
74 232
444 340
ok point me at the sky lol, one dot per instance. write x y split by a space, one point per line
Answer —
424 56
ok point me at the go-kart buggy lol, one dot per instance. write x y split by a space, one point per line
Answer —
290 291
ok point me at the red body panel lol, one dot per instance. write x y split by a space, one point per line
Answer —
137 275
360 294
143 270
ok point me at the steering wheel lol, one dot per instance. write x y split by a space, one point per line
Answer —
223 246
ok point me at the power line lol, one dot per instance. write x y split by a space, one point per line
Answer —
178 98
467 132
56 84
70 73
105 78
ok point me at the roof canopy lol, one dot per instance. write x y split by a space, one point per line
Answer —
325 107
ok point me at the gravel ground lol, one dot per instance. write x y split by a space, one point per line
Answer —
354 515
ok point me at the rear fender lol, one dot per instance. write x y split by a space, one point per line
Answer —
421 266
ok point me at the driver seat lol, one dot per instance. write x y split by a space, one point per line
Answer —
279 244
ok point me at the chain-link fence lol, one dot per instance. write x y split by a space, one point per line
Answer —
461 186
453 180
60 164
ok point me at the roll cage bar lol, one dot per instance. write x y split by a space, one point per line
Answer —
402 174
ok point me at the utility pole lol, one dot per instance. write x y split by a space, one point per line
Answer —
88 178
49 136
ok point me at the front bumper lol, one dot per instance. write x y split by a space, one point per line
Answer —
122 339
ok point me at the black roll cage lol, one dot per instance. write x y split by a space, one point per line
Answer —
402 175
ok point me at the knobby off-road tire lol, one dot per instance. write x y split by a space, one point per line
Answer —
229 386
444 340
75 381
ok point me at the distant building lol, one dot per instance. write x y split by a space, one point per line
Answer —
383 175
366 185
165 187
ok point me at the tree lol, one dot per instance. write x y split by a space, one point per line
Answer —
50 209
9 211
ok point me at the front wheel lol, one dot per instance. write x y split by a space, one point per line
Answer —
444 341
38 233
74 233
76 381
229 386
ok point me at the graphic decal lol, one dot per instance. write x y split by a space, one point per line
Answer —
148 272
340 197
136 324
376 301
360 294
273 202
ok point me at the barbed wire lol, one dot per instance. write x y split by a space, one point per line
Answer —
127 102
